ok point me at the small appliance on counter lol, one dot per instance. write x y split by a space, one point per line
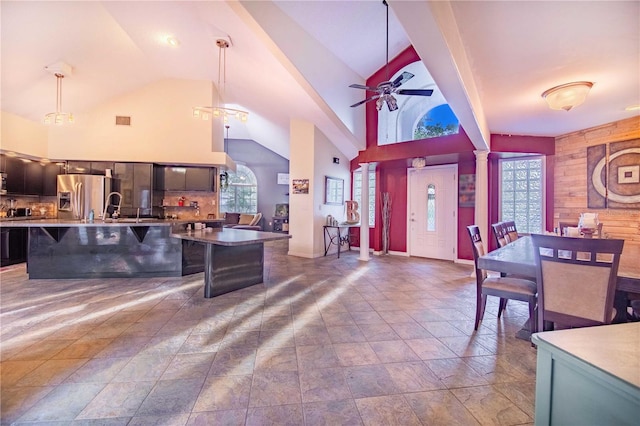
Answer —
11 212
3 183
23 211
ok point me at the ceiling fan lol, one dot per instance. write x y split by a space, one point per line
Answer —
386 89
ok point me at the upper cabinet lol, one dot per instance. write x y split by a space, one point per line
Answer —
89 167
174 178
30 178
135 182
14 168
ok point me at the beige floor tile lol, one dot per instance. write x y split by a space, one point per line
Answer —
224 393
388 410
440 408
270 388
490 406
355 354
331 413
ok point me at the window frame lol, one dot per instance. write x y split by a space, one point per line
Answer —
233 187
543 188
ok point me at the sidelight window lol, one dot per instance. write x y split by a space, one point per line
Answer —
431 207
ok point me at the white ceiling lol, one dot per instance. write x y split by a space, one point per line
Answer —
295 59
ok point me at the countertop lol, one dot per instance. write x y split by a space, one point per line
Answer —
36 222
610 348
229 236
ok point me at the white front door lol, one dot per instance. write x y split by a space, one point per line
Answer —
433 192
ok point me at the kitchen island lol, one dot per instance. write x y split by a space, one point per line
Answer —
234 258
123 248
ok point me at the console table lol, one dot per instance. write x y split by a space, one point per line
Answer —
333 235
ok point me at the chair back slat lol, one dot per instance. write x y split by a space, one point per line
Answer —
510 230
498 233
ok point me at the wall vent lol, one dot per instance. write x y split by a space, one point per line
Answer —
123 120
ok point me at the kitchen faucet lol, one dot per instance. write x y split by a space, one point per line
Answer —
107 204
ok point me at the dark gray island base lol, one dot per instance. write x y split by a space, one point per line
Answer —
66 249
233 259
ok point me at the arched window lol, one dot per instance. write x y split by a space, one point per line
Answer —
417 117
438 121
241 194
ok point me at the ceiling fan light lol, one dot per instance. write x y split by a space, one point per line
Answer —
379 104
392 104
567 96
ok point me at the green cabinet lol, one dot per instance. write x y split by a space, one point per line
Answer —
588 376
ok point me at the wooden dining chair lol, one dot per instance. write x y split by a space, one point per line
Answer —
498 234
576 279
503 287
510 230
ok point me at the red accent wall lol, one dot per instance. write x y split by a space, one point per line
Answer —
393 161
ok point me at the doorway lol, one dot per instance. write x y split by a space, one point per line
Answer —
432 212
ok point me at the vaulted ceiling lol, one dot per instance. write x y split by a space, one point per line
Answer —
295 59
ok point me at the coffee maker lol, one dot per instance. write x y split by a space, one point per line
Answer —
12 208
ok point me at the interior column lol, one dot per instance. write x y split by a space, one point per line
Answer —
482 195
364 213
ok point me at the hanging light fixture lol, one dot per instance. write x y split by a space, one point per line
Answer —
58 117
206 112
567 96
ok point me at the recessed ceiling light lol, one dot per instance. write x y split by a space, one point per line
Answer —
633 108
172 41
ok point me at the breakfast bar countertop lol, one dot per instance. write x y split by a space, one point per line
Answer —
229 237
53 223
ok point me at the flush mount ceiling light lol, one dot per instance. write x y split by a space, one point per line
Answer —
567 96
205 112
58 117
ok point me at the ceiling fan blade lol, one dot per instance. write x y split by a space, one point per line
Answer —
415 92
366 100
402 78
360 86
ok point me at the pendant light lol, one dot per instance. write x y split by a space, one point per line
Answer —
59 117
205 112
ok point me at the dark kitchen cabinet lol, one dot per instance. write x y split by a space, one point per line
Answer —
200 179
15 175
100 167
13 245
173 178
135 182
79 167
89 167
33 178
50 174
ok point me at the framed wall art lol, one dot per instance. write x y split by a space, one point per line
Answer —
467 190
300 186
613 175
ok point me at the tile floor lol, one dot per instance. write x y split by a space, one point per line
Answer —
324 341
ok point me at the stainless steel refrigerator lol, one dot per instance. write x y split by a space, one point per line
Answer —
79 194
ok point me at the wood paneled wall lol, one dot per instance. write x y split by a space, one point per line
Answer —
571 178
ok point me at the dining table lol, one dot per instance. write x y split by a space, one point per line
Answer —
518 257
